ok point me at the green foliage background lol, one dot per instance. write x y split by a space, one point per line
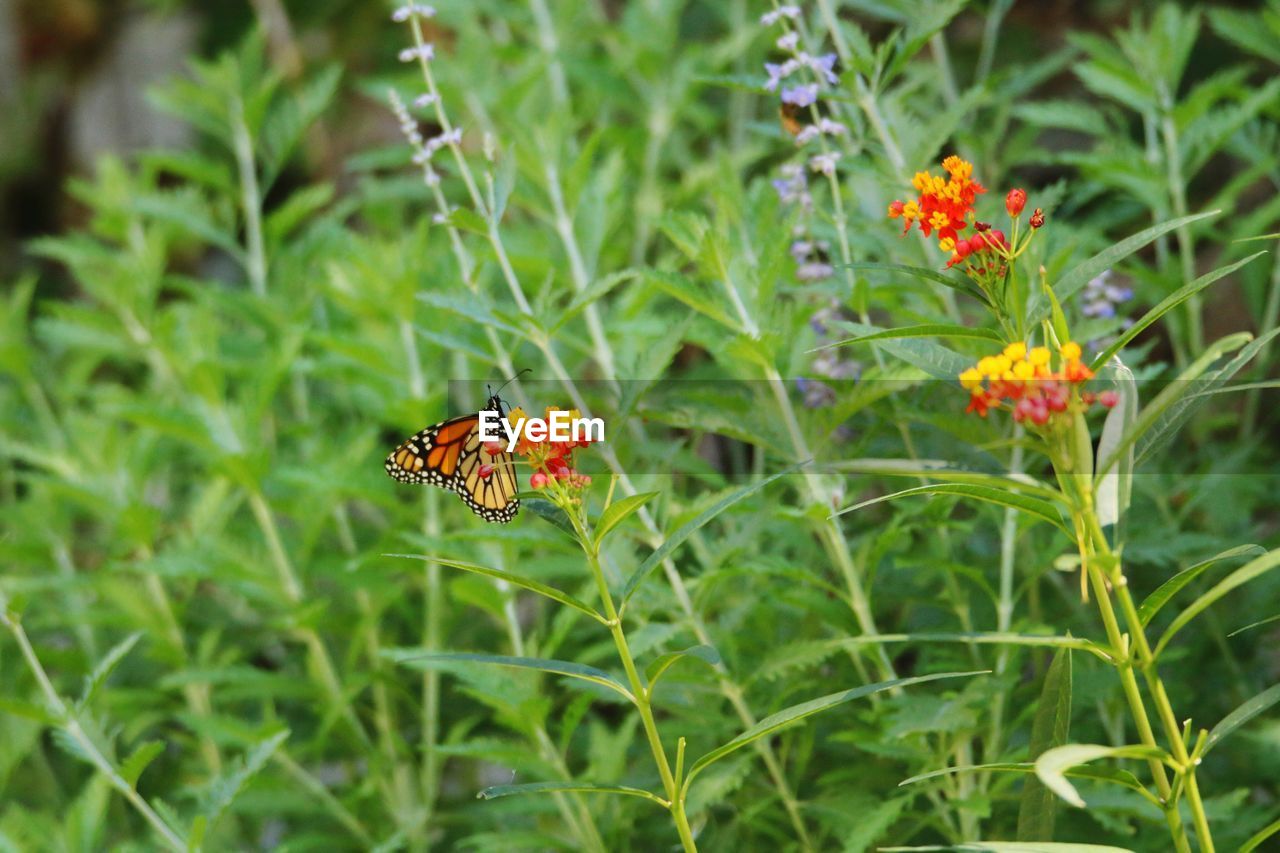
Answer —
206 358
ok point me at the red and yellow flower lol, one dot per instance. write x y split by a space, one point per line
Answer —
944 205
1024 381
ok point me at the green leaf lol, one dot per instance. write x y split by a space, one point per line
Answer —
105 667
676 539
1049 729
1014 847
513 579
415 659
928 276
1115 487
466 219
1183 408
686 290
662 663
939 469
928 330
1241 715
795 713
934 359
618 511
1239 577
1051 767
1080 275
1161 410
1167 590
1257 624
138 761
1173 300
1255 840
495 791
1111 775
548 512
1032 506
227 787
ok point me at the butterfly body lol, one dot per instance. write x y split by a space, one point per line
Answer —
450 455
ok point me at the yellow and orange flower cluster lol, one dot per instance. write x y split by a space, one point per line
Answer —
944 205
1025 380
552 460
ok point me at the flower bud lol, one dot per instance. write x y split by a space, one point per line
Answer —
1037 218
1015 201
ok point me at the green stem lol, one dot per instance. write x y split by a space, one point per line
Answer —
1092 544
250 199
638 688
69 724
1194 341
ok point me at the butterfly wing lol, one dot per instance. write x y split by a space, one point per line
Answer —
449 455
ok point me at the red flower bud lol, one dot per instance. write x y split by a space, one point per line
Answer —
538 480
1037 218
1109 399
964 248
981 226
1015 201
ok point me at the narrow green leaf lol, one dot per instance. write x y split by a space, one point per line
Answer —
1051 767
93 683
1012 847
1158 410
795 713
1241 715
1257 624
1079 276
495 791
139 760
1173 300
929 330
513 579
1255 840
618 511
1115 487
662 663
1050 728
938 469
1239 577
228 786
1169 423
933 358
962 285
701 520
416 659
1032 506
1112 775
1167 590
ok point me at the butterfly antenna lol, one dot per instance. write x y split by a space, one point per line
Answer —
513 379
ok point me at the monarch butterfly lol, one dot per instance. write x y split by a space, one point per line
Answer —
449 455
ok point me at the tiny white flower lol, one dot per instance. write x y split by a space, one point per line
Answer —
424 100
825 162
789 41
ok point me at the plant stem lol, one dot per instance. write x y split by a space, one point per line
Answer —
72 727
1194 340
638 688
250 199
1093 545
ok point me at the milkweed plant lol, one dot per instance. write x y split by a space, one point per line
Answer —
935 507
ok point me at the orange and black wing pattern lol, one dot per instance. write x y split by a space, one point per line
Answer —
449 455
